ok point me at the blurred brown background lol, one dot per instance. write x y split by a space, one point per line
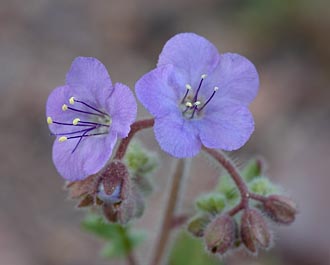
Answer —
289 42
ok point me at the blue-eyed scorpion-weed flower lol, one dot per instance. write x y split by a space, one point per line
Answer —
199 97
87 115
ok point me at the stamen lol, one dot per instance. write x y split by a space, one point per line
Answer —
86 135
74 132
94 123
197 103
188 87
203 76
70 124
75 121
49 120
64 107
193 113
82 111
189 104
72 100
62 139
214 91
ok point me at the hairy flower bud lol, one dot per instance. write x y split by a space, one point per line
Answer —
254 230
220 234
281 209
122 200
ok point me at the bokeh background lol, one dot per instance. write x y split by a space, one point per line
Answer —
289 42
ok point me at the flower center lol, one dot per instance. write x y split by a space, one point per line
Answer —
192 105
92 122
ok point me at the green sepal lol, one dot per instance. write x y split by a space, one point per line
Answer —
213 203
197 224
253 169
139 160
227 187
262 186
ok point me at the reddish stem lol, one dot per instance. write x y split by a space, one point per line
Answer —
135 127
235 175
258 197
171 204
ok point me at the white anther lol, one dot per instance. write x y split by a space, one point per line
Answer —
64 107
71 100
215 88
49 120
75 121
62 139
188 104
188 86
203 76
197 103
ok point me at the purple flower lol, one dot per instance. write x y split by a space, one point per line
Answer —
87 115
199 97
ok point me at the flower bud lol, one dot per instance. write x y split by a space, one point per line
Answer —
122 200
254 230
281 209
220 234
197 225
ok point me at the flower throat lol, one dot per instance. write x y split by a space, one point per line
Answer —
91 120
191 106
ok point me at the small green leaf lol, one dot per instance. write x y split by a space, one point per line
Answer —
252 170
120 240
211 203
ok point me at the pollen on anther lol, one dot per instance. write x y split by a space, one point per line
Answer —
62 139
188 86
188 104
71 100
75 121
216 88
203 76
64 107
49 120
197 103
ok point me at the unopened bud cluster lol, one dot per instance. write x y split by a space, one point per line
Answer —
119 189
223 232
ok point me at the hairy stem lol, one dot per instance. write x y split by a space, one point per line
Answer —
135 127
235 175
165 229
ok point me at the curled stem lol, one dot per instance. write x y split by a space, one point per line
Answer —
172 202
237 178
135 127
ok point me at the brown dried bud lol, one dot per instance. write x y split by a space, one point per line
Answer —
281 209
83 187
254 230
220 234
122 199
